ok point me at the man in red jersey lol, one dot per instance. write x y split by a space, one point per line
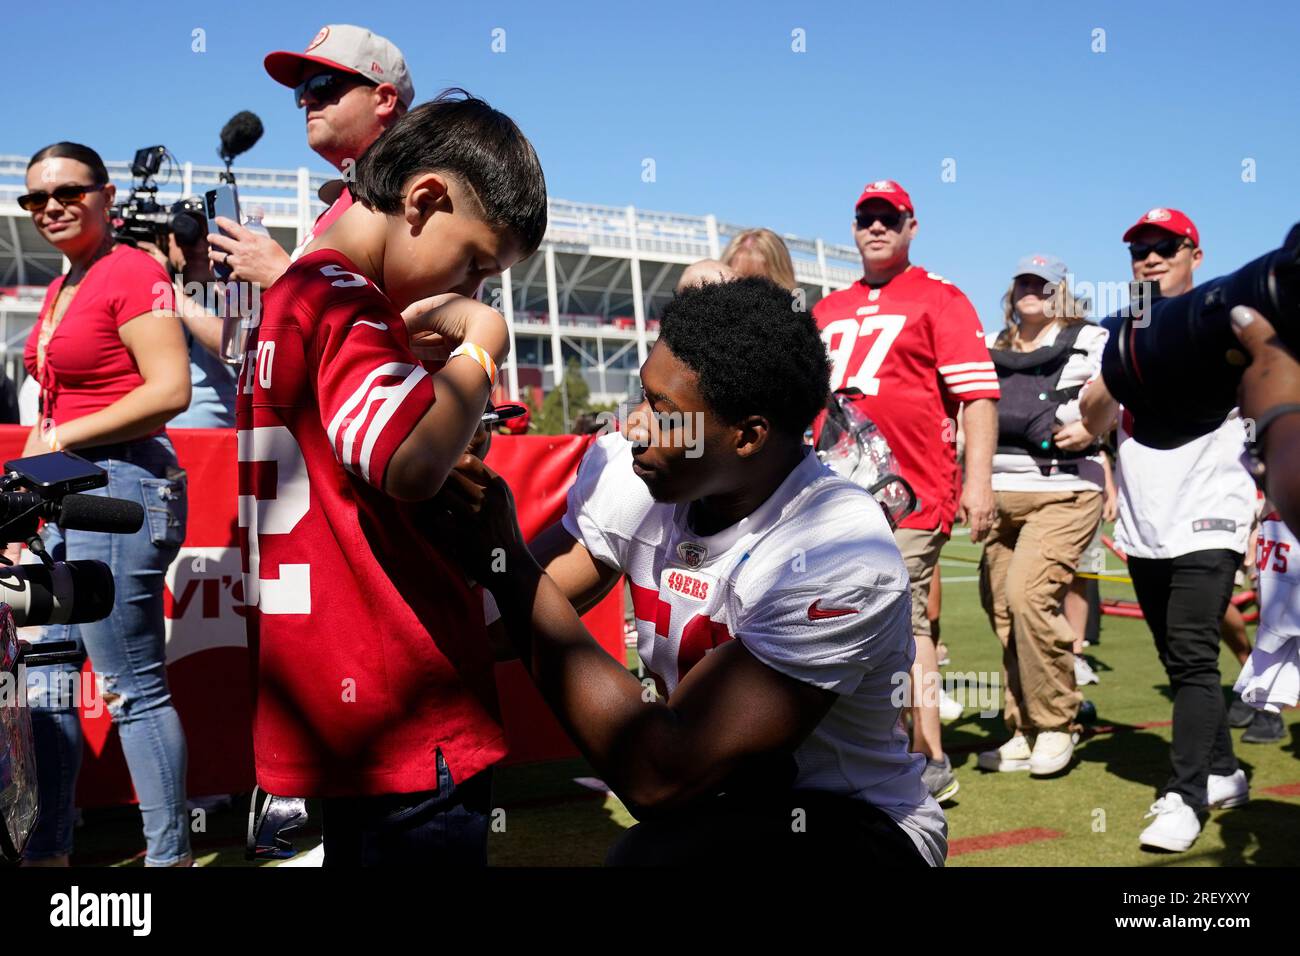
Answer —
914 346
374 676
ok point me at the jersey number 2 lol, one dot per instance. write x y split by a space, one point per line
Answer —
841 338
290 593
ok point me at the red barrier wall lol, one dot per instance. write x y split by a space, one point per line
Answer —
207 660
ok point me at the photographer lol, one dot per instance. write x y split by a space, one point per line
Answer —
352 85
1048 476
212 394
113 370
1184 516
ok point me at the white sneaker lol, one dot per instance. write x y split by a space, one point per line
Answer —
1083 672
1012 755
1230 791
949 708
1053 750
1175 827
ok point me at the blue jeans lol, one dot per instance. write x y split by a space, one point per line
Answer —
128 655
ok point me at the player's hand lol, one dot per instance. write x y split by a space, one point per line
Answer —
489 539
1110 505
980 508
1073 437
251 256
439 323
1273 377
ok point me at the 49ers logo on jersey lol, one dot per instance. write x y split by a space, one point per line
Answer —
687 585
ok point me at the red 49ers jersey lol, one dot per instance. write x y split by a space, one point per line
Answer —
369 647
811 584
915 348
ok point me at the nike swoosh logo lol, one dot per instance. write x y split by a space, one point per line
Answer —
817 613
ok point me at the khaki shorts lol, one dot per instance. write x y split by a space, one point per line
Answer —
921 555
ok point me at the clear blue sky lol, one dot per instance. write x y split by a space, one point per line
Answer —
1057 148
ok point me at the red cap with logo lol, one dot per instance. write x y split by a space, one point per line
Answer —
350 49
889 191
1170 220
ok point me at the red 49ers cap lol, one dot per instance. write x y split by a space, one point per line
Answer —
350 49
889 191
1170 220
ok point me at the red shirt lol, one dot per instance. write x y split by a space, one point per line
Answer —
915 347
370 649
87 368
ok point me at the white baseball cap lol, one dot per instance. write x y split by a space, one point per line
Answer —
350 49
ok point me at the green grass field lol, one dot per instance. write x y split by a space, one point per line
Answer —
1091 816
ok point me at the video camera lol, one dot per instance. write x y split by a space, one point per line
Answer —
1177 364
51 592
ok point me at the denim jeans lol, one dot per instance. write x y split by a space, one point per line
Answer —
446 827
127 652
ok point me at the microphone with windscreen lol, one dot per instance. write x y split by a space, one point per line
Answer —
238 136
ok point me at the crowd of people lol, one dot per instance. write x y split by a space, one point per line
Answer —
363 493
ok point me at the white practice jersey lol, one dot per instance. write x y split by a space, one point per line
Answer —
1271 678
1173 501
812 584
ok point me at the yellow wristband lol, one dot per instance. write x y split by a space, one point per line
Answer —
480 355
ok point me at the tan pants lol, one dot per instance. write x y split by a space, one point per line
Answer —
1028 563
920 551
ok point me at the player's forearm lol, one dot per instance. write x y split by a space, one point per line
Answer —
980 424
636 744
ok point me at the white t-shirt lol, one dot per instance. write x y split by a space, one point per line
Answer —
1196 497
811 583
1013 472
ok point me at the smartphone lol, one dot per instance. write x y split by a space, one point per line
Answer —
222 201
59 471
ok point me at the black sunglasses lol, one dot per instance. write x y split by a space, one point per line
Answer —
1165 248
66 195
890 220
325 87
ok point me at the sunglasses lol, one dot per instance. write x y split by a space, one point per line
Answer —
1166 248
66 195
890 220
325 88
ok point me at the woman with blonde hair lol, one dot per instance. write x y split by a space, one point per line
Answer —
760 252
1048 478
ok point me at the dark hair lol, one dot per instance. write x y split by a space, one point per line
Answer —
82 154
754 353
461 135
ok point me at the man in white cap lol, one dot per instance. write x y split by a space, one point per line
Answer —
352 85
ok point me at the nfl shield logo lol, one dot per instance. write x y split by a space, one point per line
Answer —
691 553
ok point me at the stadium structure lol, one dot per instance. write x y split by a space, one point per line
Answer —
593 291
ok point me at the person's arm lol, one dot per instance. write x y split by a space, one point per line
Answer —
202 324
1272 382
420 465
157 346
980 425
1098 408
1110 501
583 580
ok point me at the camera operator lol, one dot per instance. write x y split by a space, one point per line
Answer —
1270 397
112 369
1184 517
353 85
212 392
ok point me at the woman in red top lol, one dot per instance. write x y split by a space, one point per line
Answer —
113 368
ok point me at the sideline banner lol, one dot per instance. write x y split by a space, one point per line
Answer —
207 657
